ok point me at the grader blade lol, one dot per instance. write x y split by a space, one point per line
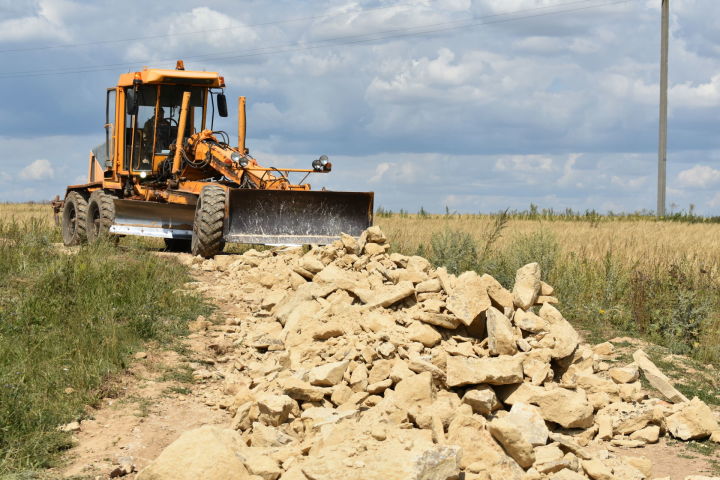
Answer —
294 217
153 219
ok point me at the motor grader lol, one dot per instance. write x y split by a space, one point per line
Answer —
164 172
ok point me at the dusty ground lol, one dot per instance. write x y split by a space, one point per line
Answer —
158 398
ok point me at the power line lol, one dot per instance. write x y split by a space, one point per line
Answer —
337 41
196 32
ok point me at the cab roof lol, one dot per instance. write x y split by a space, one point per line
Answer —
168 76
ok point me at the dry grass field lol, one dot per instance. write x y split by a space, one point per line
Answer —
641 243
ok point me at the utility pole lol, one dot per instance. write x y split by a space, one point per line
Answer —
662 143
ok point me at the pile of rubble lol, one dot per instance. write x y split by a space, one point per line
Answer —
349 362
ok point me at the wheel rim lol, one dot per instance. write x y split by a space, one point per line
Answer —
72 221
96 222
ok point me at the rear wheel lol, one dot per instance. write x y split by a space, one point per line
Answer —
100 216
207 238
73 220
177 244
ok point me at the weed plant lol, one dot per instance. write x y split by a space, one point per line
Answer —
69 321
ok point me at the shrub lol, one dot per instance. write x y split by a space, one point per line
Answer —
454 250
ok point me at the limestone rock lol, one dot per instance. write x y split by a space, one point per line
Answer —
627 374
274 409
649 434
443 320
510 436
528 419
529 321
657 379
469 297
375 235
568 408
565 336
497 292
502 370
501 338
302 391
527 286
207 452
482 399
597 470
390 295
425 334
392 458
479 451
414 391
694 420
328 375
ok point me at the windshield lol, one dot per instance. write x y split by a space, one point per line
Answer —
157 121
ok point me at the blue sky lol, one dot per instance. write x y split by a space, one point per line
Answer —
493 109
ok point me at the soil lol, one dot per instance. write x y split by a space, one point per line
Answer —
154 403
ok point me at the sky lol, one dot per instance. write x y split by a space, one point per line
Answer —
466 105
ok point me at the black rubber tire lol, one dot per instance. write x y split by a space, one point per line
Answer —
177 244
100 216
207 238
73 219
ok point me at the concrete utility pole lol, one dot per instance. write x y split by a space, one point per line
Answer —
662 144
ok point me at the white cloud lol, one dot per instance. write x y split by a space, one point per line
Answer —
219 32
699 176
46 25
40 169
524 163
628 182
701 95
380 171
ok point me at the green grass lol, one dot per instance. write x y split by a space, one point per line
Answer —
73 320
181 374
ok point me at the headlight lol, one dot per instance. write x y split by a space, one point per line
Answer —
322 164
244 162
235 157
143 174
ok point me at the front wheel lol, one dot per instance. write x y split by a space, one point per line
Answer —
207 237
100 216
73 220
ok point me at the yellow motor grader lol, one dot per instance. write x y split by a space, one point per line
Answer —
164 172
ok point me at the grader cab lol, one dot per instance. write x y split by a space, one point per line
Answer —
164 172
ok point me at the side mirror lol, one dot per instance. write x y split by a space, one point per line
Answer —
131 101
222 105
